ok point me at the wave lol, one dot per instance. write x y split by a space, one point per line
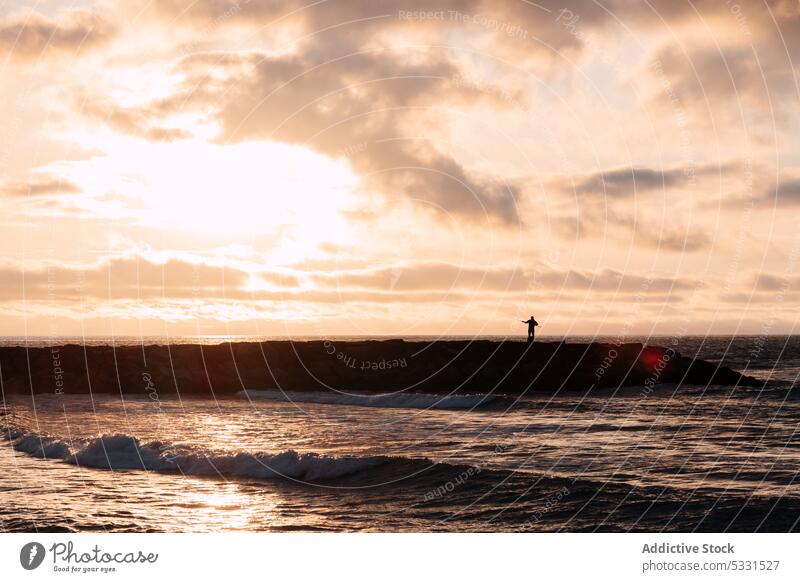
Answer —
400 400
42 447
126 452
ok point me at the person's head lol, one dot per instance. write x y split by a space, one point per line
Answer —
531 317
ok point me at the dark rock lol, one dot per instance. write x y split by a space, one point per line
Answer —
369 366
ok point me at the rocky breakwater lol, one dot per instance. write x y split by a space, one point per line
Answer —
354 366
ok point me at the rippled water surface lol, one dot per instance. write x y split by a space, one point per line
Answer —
705 458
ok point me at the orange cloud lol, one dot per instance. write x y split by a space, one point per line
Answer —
30 35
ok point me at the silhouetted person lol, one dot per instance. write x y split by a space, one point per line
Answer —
532 323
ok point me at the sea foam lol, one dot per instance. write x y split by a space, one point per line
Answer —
126 452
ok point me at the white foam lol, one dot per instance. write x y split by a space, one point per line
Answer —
399 400
42 447
306 467
120 451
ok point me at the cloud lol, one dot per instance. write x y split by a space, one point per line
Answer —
734 69
121 278
178 280
425 276
43 186
624 182
772 282
347 81
684 241
139 122
512 27
30 35
701 78
785 193
598 220
339 84
373 104
430 276
610 280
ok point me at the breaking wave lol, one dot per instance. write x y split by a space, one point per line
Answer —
126 452
400 400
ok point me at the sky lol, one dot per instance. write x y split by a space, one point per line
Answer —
282 167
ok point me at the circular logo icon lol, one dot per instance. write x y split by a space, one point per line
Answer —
31 555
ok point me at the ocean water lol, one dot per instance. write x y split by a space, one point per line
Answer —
683 458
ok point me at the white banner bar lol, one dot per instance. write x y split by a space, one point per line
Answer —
388 557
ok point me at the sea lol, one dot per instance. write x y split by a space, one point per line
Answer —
679 458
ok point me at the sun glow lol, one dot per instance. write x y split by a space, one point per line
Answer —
289 193
256 185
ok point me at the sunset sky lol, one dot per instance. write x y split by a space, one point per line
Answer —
399 167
